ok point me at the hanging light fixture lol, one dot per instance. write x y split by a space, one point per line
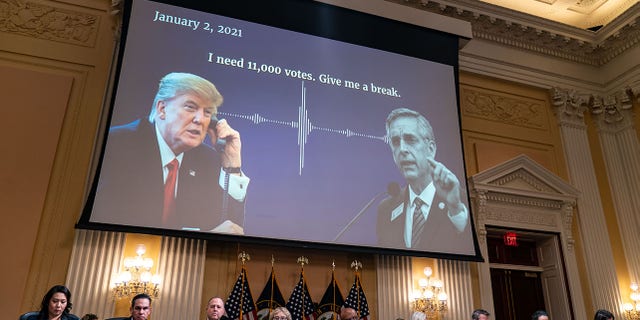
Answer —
430 299
632 310
136 277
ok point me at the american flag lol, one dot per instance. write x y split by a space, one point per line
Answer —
357 300
332 300
270 298
300 304
240 302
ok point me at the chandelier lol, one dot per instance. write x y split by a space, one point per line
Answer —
632 310
136 277
430 299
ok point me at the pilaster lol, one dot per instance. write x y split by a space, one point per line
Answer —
570 107
621 153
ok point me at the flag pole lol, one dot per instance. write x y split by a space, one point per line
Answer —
357 265
333 296
302 260
243 256
272 280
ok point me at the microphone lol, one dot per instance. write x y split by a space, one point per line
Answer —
393 190
220 143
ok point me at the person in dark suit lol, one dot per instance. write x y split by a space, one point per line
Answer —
603 314
157 172
428 214
215 309
140 308
56 304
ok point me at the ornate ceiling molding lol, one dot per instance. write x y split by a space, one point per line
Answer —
526 32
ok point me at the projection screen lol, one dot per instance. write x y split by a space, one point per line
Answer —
303 154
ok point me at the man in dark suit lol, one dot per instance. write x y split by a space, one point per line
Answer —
140 308
157 172
428 214
480 314
215 309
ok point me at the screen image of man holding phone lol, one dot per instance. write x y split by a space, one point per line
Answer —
157 172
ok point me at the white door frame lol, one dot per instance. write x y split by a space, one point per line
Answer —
522 194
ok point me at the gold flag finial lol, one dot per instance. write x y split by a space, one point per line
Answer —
244 257
302 260
273 260
356 265
333 265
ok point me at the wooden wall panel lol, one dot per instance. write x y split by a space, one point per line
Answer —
501 120
34 104
69 45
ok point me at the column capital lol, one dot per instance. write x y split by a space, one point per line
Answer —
570 105
614 112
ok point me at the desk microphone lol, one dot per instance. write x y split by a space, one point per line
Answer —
393 190
220 143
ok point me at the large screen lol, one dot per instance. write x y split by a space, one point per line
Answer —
284 120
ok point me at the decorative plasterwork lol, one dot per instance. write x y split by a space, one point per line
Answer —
522 194
570 106
538 35
502 108
46 22
611 113
117 7
523 201
527 182
586 6
522 216
523 176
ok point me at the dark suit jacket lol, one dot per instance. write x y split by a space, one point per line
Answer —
131 187
439 235
34 316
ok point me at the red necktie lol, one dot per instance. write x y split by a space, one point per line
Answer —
169 208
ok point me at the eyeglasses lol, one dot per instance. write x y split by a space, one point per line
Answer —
353 318
280 318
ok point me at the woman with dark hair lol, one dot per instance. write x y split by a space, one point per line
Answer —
603 315
56 305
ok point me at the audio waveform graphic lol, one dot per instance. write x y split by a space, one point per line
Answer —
303 125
